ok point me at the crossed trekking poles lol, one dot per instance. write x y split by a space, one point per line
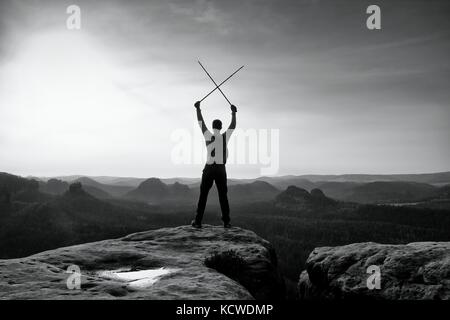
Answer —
218 85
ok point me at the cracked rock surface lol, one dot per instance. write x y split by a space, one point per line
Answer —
415 271
182 249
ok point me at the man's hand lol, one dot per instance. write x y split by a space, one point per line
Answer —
197 105
233 108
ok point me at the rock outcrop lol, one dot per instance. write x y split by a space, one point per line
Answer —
295 198
414 271
153 190
176 255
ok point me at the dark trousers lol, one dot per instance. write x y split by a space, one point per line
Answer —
214 173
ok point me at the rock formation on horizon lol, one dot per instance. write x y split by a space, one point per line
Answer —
297 198
153 190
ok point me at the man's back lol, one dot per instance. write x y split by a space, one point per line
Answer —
217 147
216 142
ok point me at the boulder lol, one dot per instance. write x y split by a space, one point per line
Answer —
415 271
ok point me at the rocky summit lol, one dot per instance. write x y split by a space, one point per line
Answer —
295 198
415 271
169 263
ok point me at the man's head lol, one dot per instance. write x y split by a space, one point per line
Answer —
217 124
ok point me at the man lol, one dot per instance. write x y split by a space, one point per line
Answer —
214 171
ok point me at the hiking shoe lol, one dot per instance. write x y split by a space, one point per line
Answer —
195 224
227 225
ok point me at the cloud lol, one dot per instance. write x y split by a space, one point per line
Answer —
312 69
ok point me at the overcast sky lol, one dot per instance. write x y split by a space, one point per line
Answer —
105 100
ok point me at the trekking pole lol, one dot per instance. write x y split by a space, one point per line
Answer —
214 81
218 85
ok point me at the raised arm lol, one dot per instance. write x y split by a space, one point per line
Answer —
200 120
233 118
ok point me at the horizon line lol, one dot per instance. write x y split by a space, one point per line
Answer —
246 178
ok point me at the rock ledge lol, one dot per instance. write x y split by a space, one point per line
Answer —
44 276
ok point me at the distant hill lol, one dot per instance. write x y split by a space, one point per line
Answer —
258 189
382 192
113 190
338 190
135 182
119 181
440 199
15 188
54 186
430 178
443 192
12 183
178 190
244 193
438 178
153 190
130 182
361 188
283 183
58 187
390 192
61 220
295 198
186 181
150 190
97 192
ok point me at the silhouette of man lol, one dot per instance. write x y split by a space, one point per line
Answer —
214 171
